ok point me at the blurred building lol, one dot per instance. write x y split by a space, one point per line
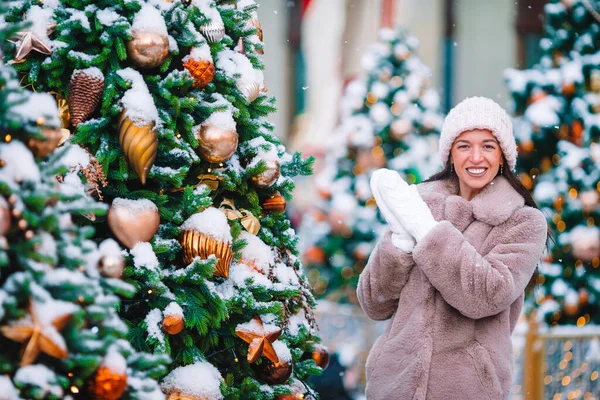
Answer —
314 46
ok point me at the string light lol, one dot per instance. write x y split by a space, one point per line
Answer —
40 121
7 138
580 321
573 193
74 389
150 291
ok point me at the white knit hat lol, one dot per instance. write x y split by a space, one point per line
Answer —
479 113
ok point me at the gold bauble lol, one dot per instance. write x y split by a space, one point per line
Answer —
269 176
139 144
197 244
182 396
274 373
216 145
111 266
131 225
42 148
299 392
173 324
148 49
320 355
5 219
107 384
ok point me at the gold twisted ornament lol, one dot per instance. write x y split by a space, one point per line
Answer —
140 145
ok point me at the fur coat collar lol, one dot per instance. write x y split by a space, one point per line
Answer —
493 205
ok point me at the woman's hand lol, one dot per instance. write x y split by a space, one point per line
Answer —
401 204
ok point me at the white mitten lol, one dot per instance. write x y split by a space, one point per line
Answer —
404 203
401 239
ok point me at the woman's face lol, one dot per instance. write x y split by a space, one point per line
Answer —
477 156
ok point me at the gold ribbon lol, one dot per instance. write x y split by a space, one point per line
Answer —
249 221
64 115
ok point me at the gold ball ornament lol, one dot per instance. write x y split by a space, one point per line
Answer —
5 219
275 203
321 355
107 384
299 392
589 200
215 144
147 49
111 266
274 373
214 32
139 144
203 71
173 324
269 176
43 147
132 221
197 244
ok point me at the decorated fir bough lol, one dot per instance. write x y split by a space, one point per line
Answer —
169 100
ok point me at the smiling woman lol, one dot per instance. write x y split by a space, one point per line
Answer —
451 274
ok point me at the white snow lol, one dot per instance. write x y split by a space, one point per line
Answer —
256 252
283 352
144 257
138 102
154 322
114 361
211 222
173 309
221 120
19 163
201 380
7 389
41 376
134 206
199 53
149 19
107 17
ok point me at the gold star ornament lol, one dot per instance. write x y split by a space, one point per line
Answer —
260 338
40 330
27 41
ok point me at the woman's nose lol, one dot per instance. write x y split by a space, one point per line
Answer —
476 155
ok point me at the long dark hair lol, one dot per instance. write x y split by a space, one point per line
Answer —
514 181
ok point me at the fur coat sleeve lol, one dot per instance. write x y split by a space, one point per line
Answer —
477 285
383 278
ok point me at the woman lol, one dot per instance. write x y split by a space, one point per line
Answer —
452 272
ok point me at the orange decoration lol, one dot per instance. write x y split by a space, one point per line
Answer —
275 203
203 71
314 255
320 355
173 324
107 384
260 339
39 338
576 132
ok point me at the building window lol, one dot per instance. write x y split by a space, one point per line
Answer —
530 29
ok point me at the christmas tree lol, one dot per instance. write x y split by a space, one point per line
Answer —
169 98
60 333
389 117
556 105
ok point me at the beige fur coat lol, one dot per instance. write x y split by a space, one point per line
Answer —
455 300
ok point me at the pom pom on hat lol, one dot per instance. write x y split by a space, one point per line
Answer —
479 113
